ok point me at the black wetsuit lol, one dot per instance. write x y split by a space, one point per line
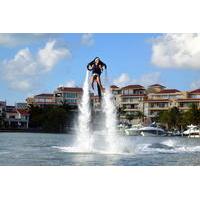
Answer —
96 70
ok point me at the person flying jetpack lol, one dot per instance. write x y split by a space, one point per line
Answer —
97 67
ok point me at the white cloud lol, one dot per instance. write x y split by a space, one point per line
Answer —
195 85
87 39
144 80
15 39
176 50
7 39
149 78
123 79
23 71
21 85
70 83
50 55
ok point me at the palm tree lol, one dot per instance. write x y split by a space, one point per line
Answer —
171 118
191 116
120 112
140 115
130 117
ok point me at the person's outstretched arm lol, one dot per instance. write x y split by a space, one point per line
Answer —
90 66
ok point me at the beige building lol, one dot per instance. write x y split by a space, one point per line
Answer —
192 97
68 95
129 100
132 97
154 99
61 95
41 100
161 100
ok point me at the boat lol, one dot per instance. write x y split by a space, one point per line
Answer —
192 131
175 133
140 130
152 131
134 130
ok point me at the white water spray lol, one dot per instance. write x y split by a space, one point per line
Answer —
110 123
84 139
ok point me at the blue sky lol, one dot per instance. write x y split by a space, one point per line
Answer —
35 63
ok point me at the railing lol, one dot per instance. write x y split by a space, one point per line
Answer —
131 102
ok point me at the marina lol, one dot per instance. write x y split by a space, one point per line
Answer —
154 130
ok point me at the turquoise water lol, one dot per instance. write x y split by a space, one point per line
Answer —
38 149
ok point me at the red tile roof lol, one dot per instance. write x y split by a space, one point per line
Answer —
23 112
167 91
70 89
156 85
133 87
44 95
113 86
197 91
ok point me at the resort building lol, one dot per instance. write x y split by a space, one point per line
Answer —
160 101
192 97
132 97
62 95
21 105
2 108
41 100
155 88
129 100
68 95
168 98
16 118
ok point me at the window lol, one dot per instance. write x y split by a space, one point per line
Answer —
195 96
70 95
71 101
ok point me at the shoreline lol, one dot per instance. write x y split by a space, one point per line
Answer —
29 131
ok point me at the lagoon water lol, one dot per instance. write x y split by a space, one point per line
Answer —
37 149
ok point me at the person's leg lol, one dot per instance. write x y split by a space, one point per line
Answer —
92 81
99 82
99 91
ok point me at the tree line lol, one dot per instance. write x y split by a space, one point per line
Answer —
178 119
51 118
172 119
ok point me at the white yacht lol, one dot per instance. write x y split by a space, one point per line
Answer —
152 131
192 131
134 130
140 130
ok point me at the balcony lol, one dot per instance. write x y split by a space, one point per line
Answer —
184 108
130 102
159 108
